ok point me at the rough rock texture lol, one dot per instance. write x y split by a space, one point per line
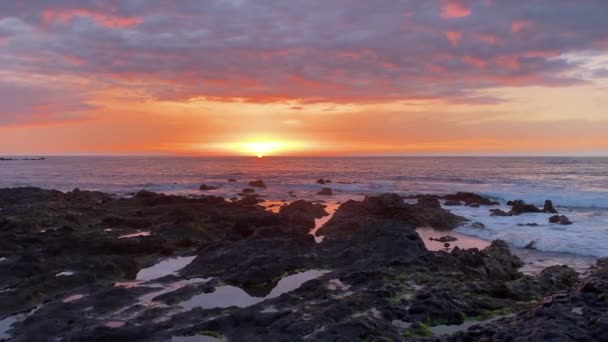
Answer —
470 198
499 212
377 272
577 313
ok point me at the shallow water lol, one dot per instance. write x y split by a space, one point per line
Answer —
133 235
197 338
227 295
164 268
440 330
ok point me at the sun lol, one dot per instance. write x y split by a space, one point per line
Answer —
262 148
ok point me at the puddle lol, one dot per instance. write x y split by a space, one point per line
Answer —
439 330
64 274
463 242
330 208
5 326
2 259
7 323
73 298
578 310
227 296
138 234
269 309
197 338
164 268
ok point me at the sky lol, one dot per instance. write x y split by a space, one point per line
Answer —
315 77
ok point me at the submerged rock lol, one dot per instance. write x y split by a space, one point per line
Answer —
519 207
232 180
257 184
560 219
499 212
470 198
207 187
325 192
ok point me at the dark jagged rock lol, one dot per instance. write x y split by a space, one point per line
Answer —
320 181
548 208
205 187
377 272
325 192
560 219
302 213
499 212
257 184
531 245
519 207
392 206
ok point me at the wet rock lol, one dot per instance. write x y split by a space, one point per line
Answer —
248 191
470 198
528 224
232 180
499 212
548 207
474 205
257 184
302 213
560 219
478 225
429 202
452 203
446 238
519 207
250 200
325 192
320 181
205 187
392 207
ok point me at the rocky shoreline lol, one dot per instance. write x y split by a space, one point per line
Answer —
71 268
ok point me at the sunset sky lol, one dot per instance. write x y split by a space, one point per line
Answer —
304 77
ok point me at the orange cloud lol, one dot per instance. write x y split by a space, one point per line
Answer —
105 20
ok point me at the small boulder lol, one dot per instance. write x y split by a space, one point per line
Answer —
474 205
560 219
548 207
328 181
320 181
232 180
531 245
499 212
325 192
446 238
205 187
248 191
257 184
478 225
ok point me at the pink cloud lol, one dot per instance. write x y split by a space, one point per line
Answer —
520 25
454 37
454 9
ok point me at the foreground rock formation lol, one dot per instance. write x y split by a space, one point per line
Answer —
259 276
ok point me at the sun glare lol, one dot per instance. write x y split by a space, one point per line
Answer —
261 149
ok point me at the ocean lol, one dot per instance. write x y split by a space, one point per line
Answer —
578 186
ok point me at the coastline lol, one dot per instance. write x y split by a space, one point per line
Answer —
160 266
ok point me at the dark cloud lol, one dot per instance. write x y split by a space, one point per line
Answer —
313 51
